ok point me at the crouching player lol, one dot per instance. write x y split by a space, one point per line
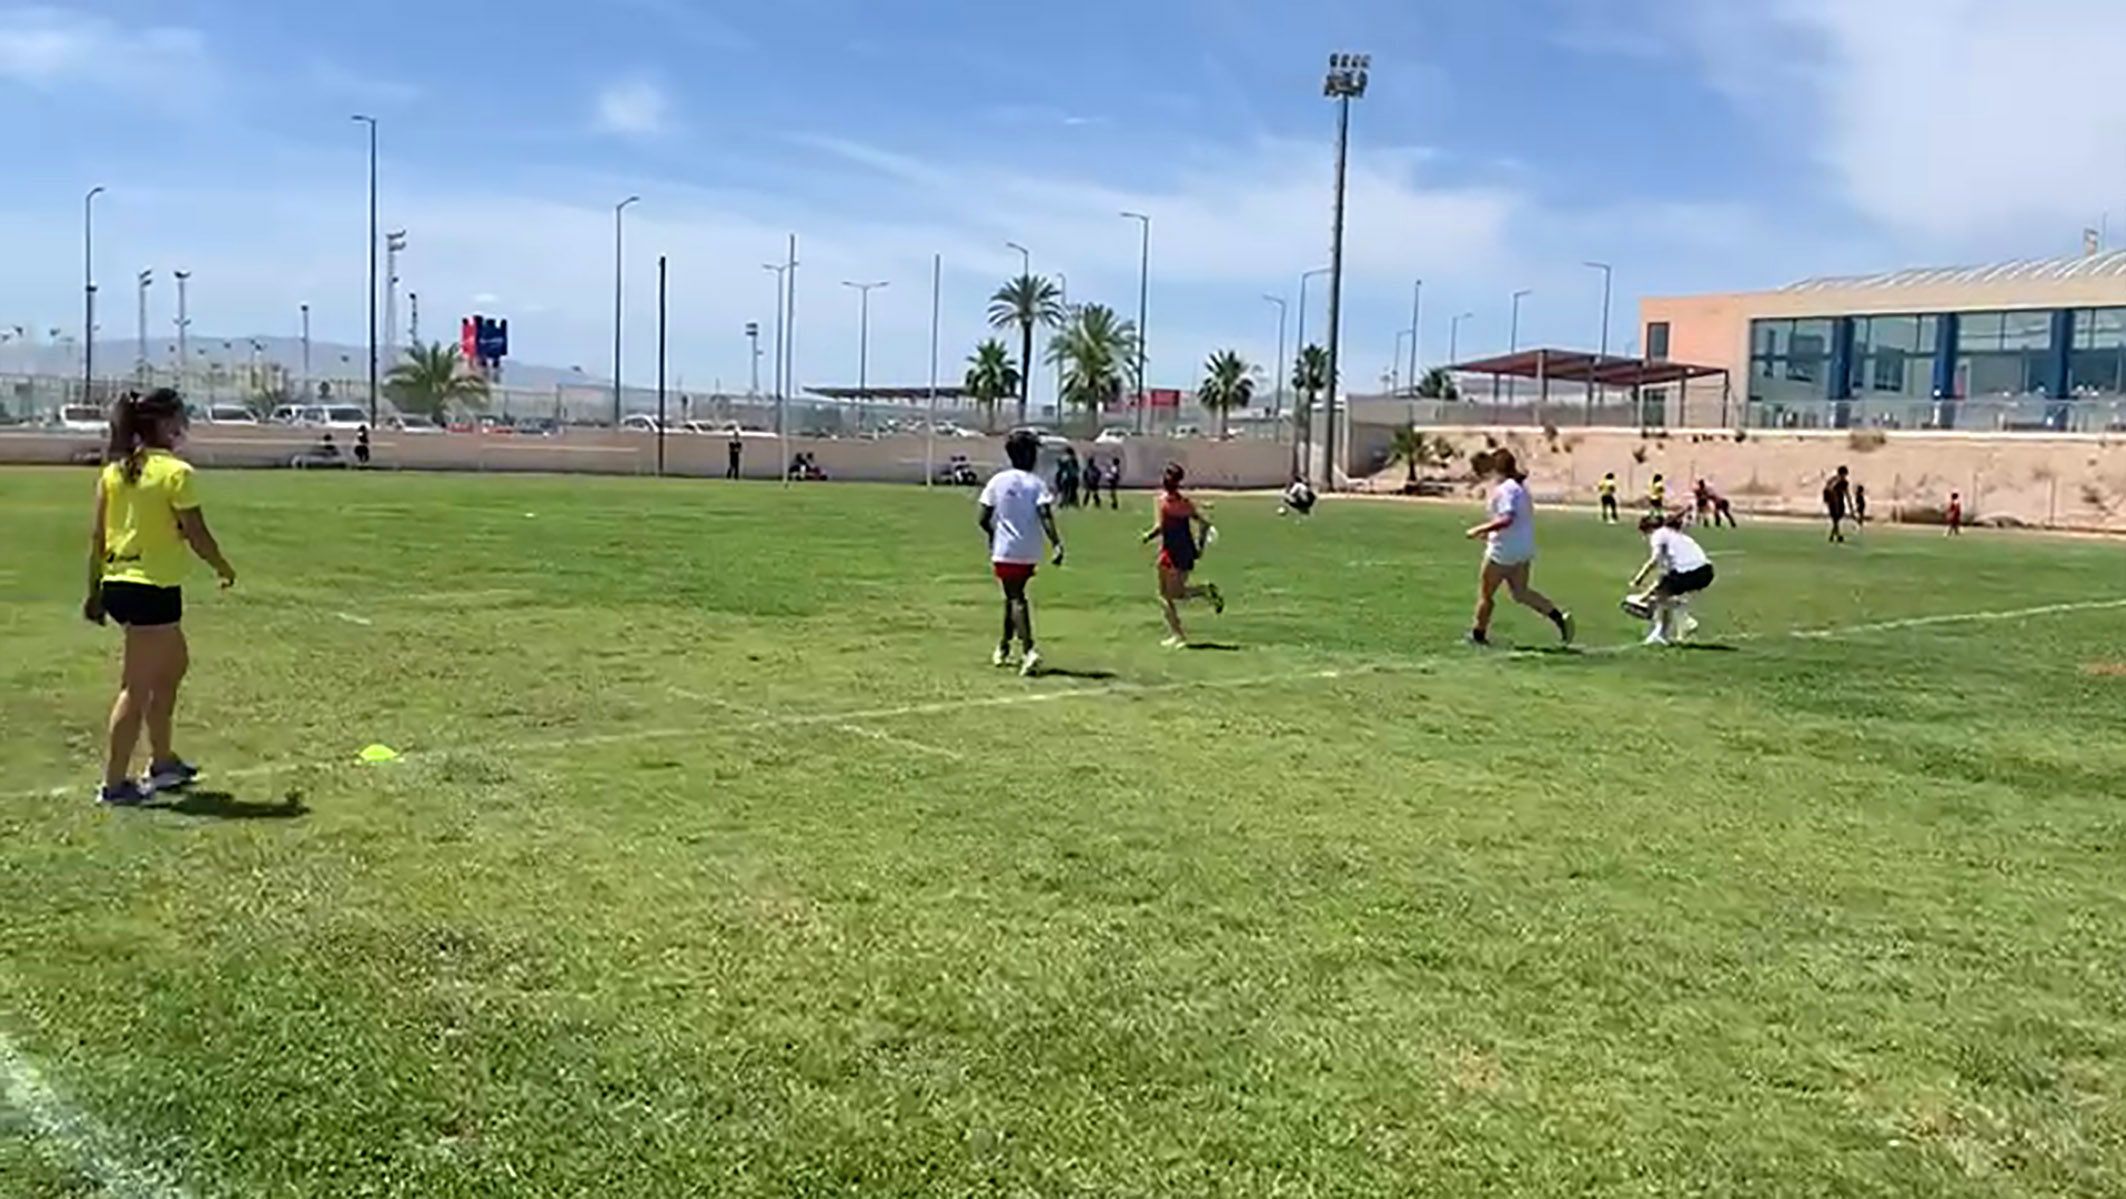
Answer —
1683 569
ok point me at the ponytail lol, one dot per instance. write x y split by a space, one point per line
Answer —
139 422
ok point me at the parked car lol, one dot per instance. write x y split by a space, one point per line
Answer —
1113 435
1183 431
412 424
946 428
636 422
958 472
321 416
83 418
229 414
538 426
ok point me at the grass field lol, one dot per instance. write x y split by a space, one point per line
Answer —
721 863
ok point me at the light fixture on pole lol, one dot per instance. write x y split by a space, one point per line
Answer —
1144 303
1608 277
1346 82
753 346
1277 403
371 122
1025 257
618 209
1513 336
140 360
863 340
393 243
88 294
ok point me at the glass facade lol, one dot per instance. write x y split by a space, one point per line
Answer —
2096 366
1790 360
1893 357
2003 355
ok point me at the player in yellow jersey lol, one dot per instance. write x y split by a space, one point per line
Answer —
1657 495
1607 489
147 516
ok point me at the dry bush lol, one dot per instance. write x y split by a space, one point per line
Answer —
1864 441
1638 454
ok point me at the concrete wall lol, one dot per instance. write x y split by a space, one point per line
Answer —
2065 482
1229 464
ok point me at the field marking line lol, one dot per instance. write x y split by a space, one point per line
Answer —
351 618
762 714
767 720
90 1145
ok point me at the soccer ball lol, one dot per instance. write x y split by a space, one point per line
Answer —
1637 606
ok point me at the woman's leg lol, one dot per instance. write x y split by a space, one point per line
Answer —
136 683
1487 586
1526 595
174 658
1173 587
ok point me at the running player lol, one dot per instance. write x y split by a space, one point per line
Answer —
1657 495
1860 506
1955 515
1509 553
1018 509
1607 489
147 514
1182 532
1684 570
1837 495
1712 506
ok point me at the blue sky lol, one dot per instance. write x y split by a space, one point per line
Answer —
1696 145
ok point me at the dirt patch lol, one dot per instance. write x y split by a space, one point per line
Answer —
2105 670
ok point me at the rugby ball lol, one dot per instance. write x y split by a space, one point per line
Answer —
1637 606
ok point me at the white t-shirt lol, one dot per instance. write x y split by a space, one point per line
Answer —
1677 553
1515 543
1017 496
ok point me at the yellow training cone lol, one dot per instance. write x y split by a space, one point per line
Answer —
375 754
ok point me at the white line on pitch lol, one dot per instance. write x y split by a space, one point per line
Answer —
770 718
24 1090
351 618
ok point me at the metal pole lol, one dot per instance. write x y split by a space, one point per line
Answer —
863 340
1513 335
140 361
371 122
1144 298
753 346
789 349
1336 278
413 323
660 365
618 209
184 325
393 243
1281 366
88 294
1417 328
930 431
1607 276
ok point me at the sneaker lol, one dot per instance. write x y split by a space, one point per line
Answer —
127 794
1032 665
173 775
1566 628
1479 637
1690 624
1210 591
1655 638
1001 658
1174 643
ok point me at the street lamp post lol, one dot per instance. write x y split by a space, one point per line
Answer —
1280 366
1395 362
371 122
1144 302
88 293
753 343
305 391
1301 340
394 242
1417 329
618 209
1025 257
863 340
1454 338
1608 277
140 326
184 329
1346 81
1513 336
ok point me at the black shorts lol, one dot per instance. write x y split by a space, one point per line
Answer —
1685 582
142 606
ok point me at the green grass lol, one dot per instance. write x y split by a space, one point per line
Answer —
1348 909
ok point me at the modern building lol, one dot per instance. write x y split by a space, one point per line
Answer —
2034 345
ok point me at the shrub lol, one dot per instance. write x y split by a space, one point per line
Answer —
1862 441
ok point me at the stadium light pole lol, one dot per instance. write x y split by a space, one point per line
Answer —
394 243
1144 302
1301 340
930 429
371 122
618 210
140 360
1277 404
1346 82
1395 362
1417 330
1608 277
1025 257
88 293
863 340
184 327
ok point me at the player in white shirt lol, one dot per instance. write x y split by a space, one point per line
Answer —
1018 510
1509 553
1684 571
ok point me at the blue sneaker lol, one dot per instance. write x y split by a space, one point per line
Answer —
173 775
127 794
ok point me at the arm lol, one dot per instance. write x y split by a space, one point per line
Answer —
1048 526
988 520
1651 565
1497 524
193 524
92 606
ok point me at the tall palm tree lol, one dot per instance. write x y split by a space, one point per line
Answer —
1227 384
1310 375
1093 348
991 377
1418 451
1027 301
431 379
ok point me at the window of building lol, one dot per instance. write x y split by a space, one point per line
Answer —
1657 340
1893 356
2096 362
2002 353
1790 360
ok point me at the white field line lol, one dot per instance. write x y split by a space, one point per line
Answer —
351 618
762 714
760 720
87 1143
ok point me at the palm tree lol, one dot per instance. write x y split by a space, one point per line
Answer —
1418 452
1093 349
1310 374
431 379
1026 301
1227 384
1439 384
991 377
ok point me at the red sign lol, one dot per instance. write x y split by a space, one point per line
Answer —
1162 397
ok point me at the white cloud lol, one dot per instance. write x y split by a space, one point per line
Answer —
44 47
1962 125
634 108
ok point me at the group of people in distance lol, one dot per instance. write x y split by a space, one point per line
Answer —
1711 507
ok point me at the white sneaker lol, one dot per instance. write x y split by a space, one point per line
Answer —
1656 638
1690 624
1032 665
1001 658
1174 643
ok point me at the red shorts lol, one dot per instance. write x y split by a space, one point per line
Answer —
1014 572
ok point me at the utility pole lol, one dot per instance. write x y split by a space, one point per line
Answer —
413 325
305 391
1277 404
140 360
863 340
753 341
88 295
371 122
660 364
1346 81
1608 276
184 328
1144 300
618 209
1417 330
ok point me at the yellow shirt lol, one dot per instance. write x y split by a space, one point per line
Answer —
141 543
1657 492
1608 487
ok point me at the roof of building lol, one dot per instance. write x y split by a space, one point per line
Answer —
1579 366
863 394
2111 263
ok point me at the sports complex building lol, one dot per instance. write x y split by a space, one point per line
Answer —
2027 346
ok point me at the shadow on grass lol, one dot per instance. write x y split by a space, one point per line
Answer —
221 805
1216 647
1065 672
1707 647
